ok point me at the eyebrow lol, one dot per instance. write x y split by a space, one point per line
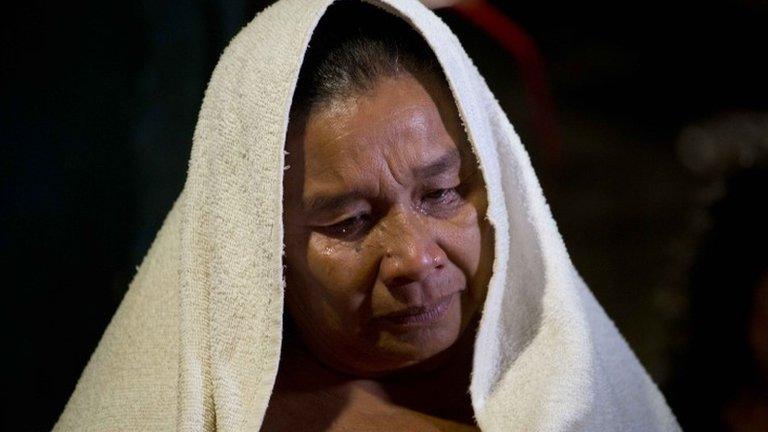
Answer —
439 166
328 203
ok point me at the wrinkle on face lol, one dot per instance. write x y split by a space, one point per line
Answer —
389 154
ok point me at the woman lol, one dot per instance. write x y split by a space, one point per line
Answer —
376 186
388 253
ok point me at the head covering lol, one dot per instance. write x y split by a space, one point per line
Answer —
195 344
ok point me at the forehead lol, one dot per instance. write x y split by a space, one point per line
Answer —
402 122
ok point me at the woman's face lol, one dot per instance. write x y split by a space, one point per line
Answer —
388 250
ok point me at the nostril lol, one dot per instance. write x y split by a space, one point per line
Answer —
406 278
400 281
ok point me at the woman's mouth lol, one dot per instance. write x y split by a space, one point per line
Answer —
421 315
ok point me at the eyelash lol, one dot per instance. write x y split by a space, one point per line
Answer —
348 227
353 226
443 196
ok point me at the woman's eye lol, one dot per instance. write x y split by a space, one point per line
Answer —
349 227
441 196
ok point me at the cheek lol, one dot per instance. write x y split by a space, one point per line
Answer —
467 240
461 238
339 274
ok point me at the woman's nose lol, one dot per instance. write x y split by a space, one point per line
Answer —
411 253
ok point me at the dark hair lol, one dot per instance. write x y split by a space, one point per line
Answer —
354 45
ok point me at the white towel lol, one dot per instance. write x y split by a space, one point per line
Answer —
196 342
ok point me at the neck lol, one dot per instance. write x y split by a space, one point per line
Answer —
413 388
448 376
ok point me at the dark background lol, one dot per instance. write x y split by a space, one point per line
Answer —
99 102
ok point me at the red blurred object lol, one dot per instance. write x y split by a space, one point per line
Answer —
521 46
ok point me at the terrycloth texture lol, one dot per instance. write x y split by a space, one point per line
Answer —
196 343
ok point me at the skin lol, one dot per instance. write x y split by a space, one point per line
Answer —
384 217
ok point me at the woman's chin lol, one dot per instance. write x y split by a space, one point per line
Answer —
415 348
403 362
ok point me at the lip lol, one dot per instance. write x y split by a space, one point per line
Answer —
421 315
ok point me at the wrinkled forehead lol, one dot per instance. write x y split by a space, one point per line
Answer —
403 122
